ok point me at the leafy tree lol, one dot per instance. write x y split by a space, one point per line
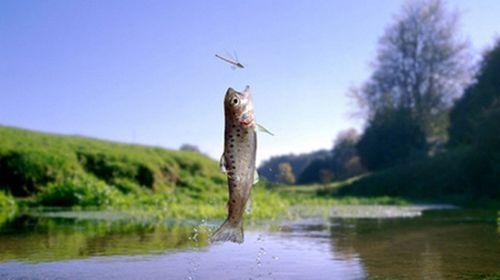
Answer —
325 176
469 111
391 137
353 167
475 122
487 144
344 155
311 173
286 174
422 64
342 160
190 148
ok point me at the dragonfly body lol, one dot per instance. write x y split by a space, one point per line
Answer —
234 63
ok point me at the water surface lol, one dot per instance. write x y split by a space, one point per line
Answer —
347 242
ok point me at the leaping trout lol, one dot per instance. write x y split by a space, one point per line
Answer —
238 161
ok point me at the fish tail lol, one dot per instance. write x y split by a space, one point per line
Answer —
228 232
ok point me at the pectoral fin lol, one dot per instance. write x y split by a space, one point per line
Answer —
255 177
248 207
260 128
222 164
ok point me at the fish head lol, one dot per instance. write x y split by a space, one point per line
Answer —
239 106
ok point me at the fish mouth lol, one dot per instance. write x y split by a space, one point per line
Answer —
242 94
231 91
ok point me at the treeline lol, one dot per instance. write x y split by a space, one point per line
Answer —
421 142
322 166
432 117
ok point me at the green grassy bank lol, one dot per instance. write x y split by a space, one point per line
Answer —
47 170
42 169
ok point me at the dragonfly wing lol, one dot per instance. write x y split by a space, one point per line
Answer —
236 57
228 55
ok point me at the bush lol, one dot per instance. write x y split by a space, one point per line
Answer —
24 171
286 173
6 202
81 191
110 167
126 186
8 207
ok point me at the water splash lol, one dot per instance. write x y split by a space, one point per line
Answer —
194 261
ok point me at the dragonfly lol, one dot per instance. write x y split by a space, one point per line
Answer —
231 60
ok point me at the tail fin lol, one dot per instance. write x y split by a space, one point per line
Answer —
228 232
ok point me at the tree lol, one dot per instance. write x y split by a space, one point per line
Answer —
325 176
344 154
470 110
391 137
190 148
286 174
475 123
421 66
311 173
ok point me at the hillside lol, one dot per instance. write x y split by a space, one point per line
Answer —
41 169
31 163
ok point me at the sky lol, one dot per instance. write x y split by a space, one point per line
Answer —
144 71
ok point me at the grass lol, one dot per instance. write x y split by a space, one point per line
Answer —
46 170
32 163
322 195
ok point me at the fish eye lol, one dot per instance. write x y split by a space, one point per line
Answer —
236 101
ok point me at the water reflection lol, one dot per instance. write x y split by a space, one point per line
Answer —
36 239
436 245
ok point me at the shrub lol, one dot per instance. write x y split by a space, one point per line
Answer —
81 191
6 201
8 207
24 171
126 186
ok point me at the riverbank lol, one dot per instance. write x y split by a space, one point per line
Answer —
73 172
463 177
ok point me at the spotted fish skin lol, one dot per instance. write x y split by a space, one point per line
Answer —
238 160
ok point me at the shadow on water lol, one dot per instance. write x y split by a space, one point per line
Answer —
350 242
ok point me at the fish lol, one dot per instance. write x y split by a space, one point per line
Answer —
238 161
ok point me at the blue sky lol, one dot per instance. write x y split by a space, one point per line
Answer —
145 72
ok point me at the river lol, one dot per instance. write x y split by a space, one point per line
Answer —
346 242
